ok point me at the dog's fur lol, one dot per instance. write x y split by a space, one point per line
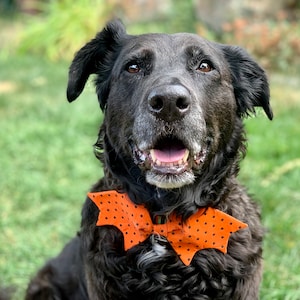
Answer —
159 89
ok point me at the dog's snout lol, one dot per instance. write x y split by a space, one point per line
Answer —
169 103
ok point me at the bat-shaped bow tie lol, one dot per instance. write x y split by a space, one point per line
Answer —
207 228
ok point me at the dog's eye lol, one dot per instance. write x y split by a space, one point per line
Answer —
133 68
205 67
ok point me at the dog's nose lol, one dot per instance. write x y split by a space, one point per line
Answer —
169 103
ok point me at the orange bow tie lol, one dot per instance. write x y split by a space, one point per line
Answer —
207 228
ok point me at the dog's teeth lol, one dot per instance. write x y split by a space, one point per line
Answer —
186 155
152 153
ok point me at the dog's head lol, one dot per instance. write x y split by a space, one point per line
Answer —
172 103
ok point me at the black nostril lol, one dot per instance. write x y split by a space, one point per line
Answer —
183 103
156 103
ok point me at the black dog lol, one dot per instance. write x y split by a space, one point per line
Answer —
171 142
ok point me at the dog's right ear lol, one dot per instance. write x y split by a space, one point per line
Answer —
90 57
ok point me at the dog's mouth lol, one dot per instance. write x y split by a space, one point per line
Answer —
169 163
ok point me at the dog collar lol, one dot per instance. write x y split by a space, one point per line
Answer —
207 228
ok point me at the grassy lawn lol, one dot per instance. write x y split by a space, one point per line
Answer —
47 165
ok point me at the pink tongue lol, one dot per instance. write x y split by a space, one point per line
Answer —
169 155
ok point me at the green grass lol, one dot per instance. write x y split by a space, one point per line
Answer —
271 170
47 165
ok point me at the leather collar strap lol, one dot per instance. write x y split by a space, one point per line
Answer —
207 228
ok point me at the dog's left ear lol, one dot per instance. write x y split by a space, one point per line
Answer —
249 81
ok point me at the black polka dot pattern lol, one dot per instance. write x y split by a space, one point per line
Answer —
207 228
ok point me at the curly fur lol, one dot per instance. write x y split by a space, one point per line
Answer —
95 265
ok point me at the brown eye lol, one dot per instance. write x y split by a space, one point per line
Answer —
133 68
205 67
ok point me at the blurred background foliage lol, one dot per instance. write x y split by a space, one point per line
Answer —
56 29
46 161
63 25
